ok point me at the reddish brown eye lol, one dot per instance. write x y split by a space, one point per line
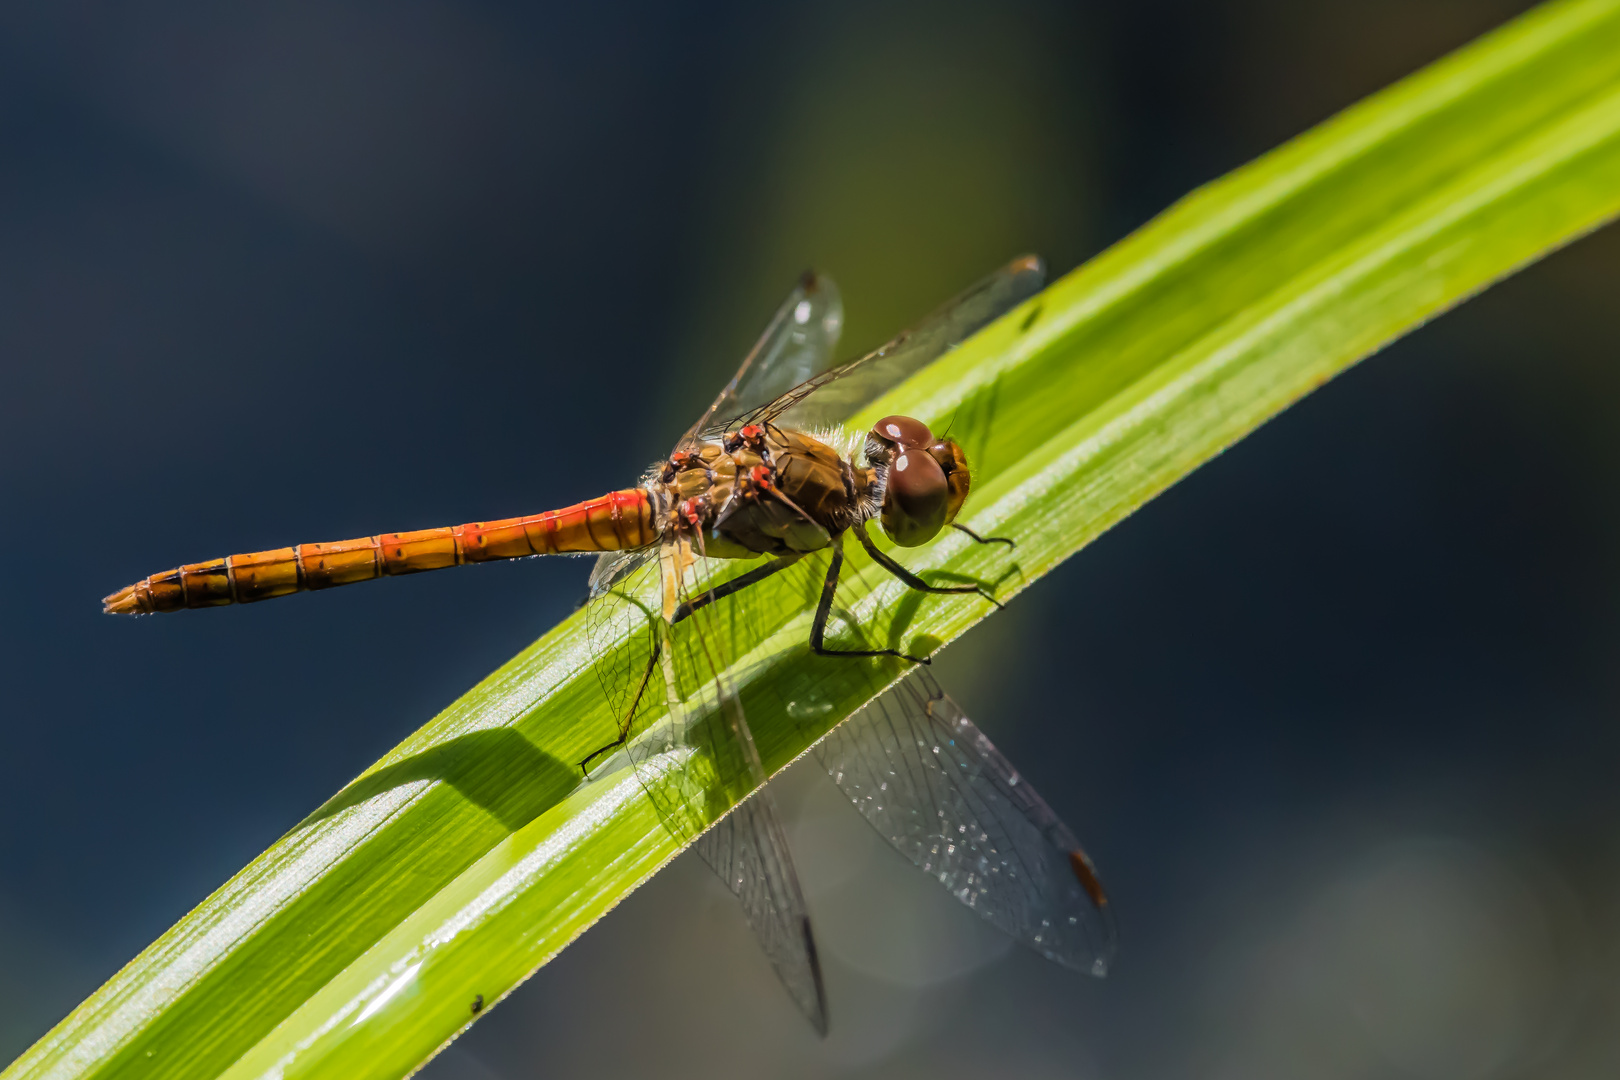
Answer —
954 462
916 499
903 430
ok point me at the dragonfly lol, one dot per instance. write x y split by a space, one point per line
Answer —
772 473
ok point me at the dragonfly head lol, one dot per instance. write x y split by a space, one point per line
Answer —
928 479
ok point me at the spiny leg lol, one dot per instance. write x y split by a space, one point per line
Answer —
624 724
911 580
984 539
818 629
719 592
736 584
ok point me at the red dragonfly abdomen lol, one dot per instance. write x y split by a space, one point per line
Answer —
613 522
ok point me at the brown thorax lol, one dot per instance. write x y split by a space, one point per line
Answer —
762 491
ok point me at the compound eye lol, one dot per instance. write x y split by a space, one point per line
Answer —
904 431
954 462
916 499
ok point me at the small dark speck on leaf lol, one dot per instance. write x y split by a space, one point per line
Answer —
478 1004
1029 320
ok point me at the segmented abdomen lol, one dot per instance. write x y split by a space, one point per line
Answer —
614 522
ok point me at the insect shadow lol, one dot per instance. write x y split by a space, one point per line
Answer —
905 610
498 770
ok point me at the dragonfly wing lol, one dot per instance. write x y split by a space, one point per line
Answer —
613 567
797 344
937 789
699 762
749 851
622 626
836 395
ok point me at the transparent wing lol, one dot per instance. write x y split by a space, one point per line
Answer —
797 344
837 394
699 761
621 623
749 851
613 567
928 780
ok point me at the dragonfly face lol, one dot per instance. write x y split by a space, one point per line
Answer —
927 479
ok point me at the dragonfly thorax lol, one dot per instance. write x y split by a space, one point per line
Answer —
764 492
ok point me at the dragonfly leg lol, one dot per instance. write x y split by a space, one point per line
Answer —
818 629
736 584
984 539
630 713
911 580
719 592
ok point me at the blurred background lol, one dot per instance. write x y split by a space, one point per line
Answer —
1335 715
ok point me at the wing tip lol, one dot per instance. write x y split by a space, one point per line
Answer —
814 283
1086 874
818 1014
1028 264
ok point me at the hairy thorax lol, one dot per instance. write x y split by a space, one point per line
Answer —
763 492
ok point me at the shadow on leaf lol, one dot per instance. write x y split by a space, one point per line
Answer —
498 770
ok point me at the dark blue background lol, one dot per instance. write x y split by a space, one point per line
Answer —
1335 714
